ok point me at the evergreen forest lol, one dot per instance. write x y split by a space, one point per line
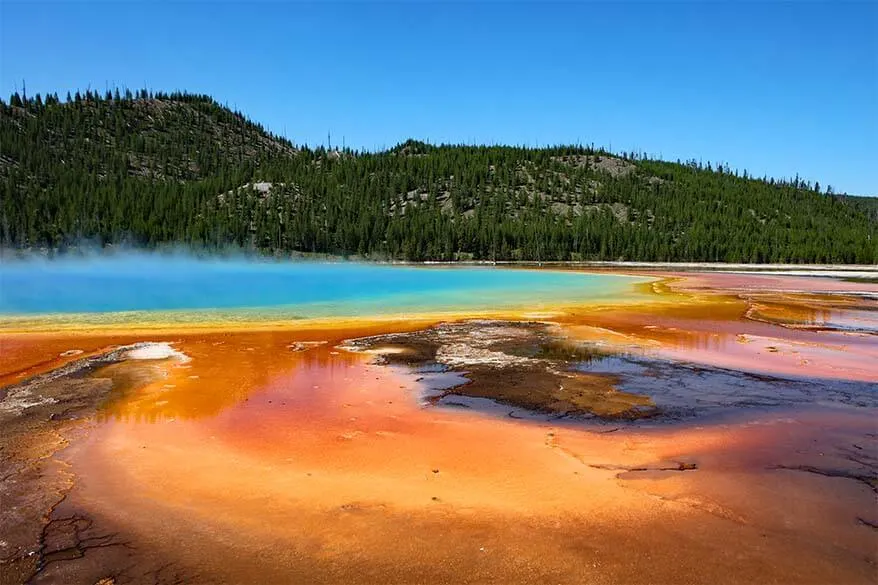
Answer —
150 169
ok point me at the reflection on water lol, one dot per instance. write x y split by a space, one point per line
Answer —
686 363
839 313
682 390
223 372
789 337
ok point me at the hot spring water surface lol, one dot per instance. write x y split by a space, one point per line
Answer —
162 284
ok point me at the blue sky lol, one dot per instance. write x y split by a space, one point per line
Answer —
775 88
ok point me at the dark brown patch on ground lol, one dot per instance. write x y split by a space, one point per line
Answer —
555 393
521 364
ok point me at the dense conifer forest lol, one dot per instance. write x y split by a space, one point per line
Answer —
149 169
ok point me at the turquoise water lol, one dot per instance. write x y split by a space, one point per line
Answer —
146 283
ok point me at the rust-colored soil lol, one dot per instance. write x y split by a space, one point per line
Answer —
269 458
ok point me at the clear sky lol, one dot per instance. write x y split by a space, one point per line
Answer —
775 88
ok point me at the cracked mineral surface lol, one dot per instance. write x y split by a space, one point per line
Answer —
728 436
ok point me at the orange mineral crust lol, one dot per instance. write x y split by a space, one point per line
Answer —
748 326
731 281
329 467
280 454
24 355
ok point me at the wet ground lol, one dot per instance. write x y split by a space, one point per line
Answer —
533 368
715 436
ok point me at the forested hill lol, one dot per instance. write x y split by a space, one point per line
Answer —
149 169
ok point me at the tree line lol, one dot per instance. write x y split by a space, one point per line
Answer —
151 168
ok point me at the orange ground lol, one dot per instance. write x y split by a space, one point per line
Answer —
255 462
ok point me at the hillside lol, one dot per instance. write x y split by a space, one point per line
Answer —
868 205
148 169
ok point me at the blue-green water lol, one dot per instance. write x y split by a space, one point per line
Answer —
146 283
